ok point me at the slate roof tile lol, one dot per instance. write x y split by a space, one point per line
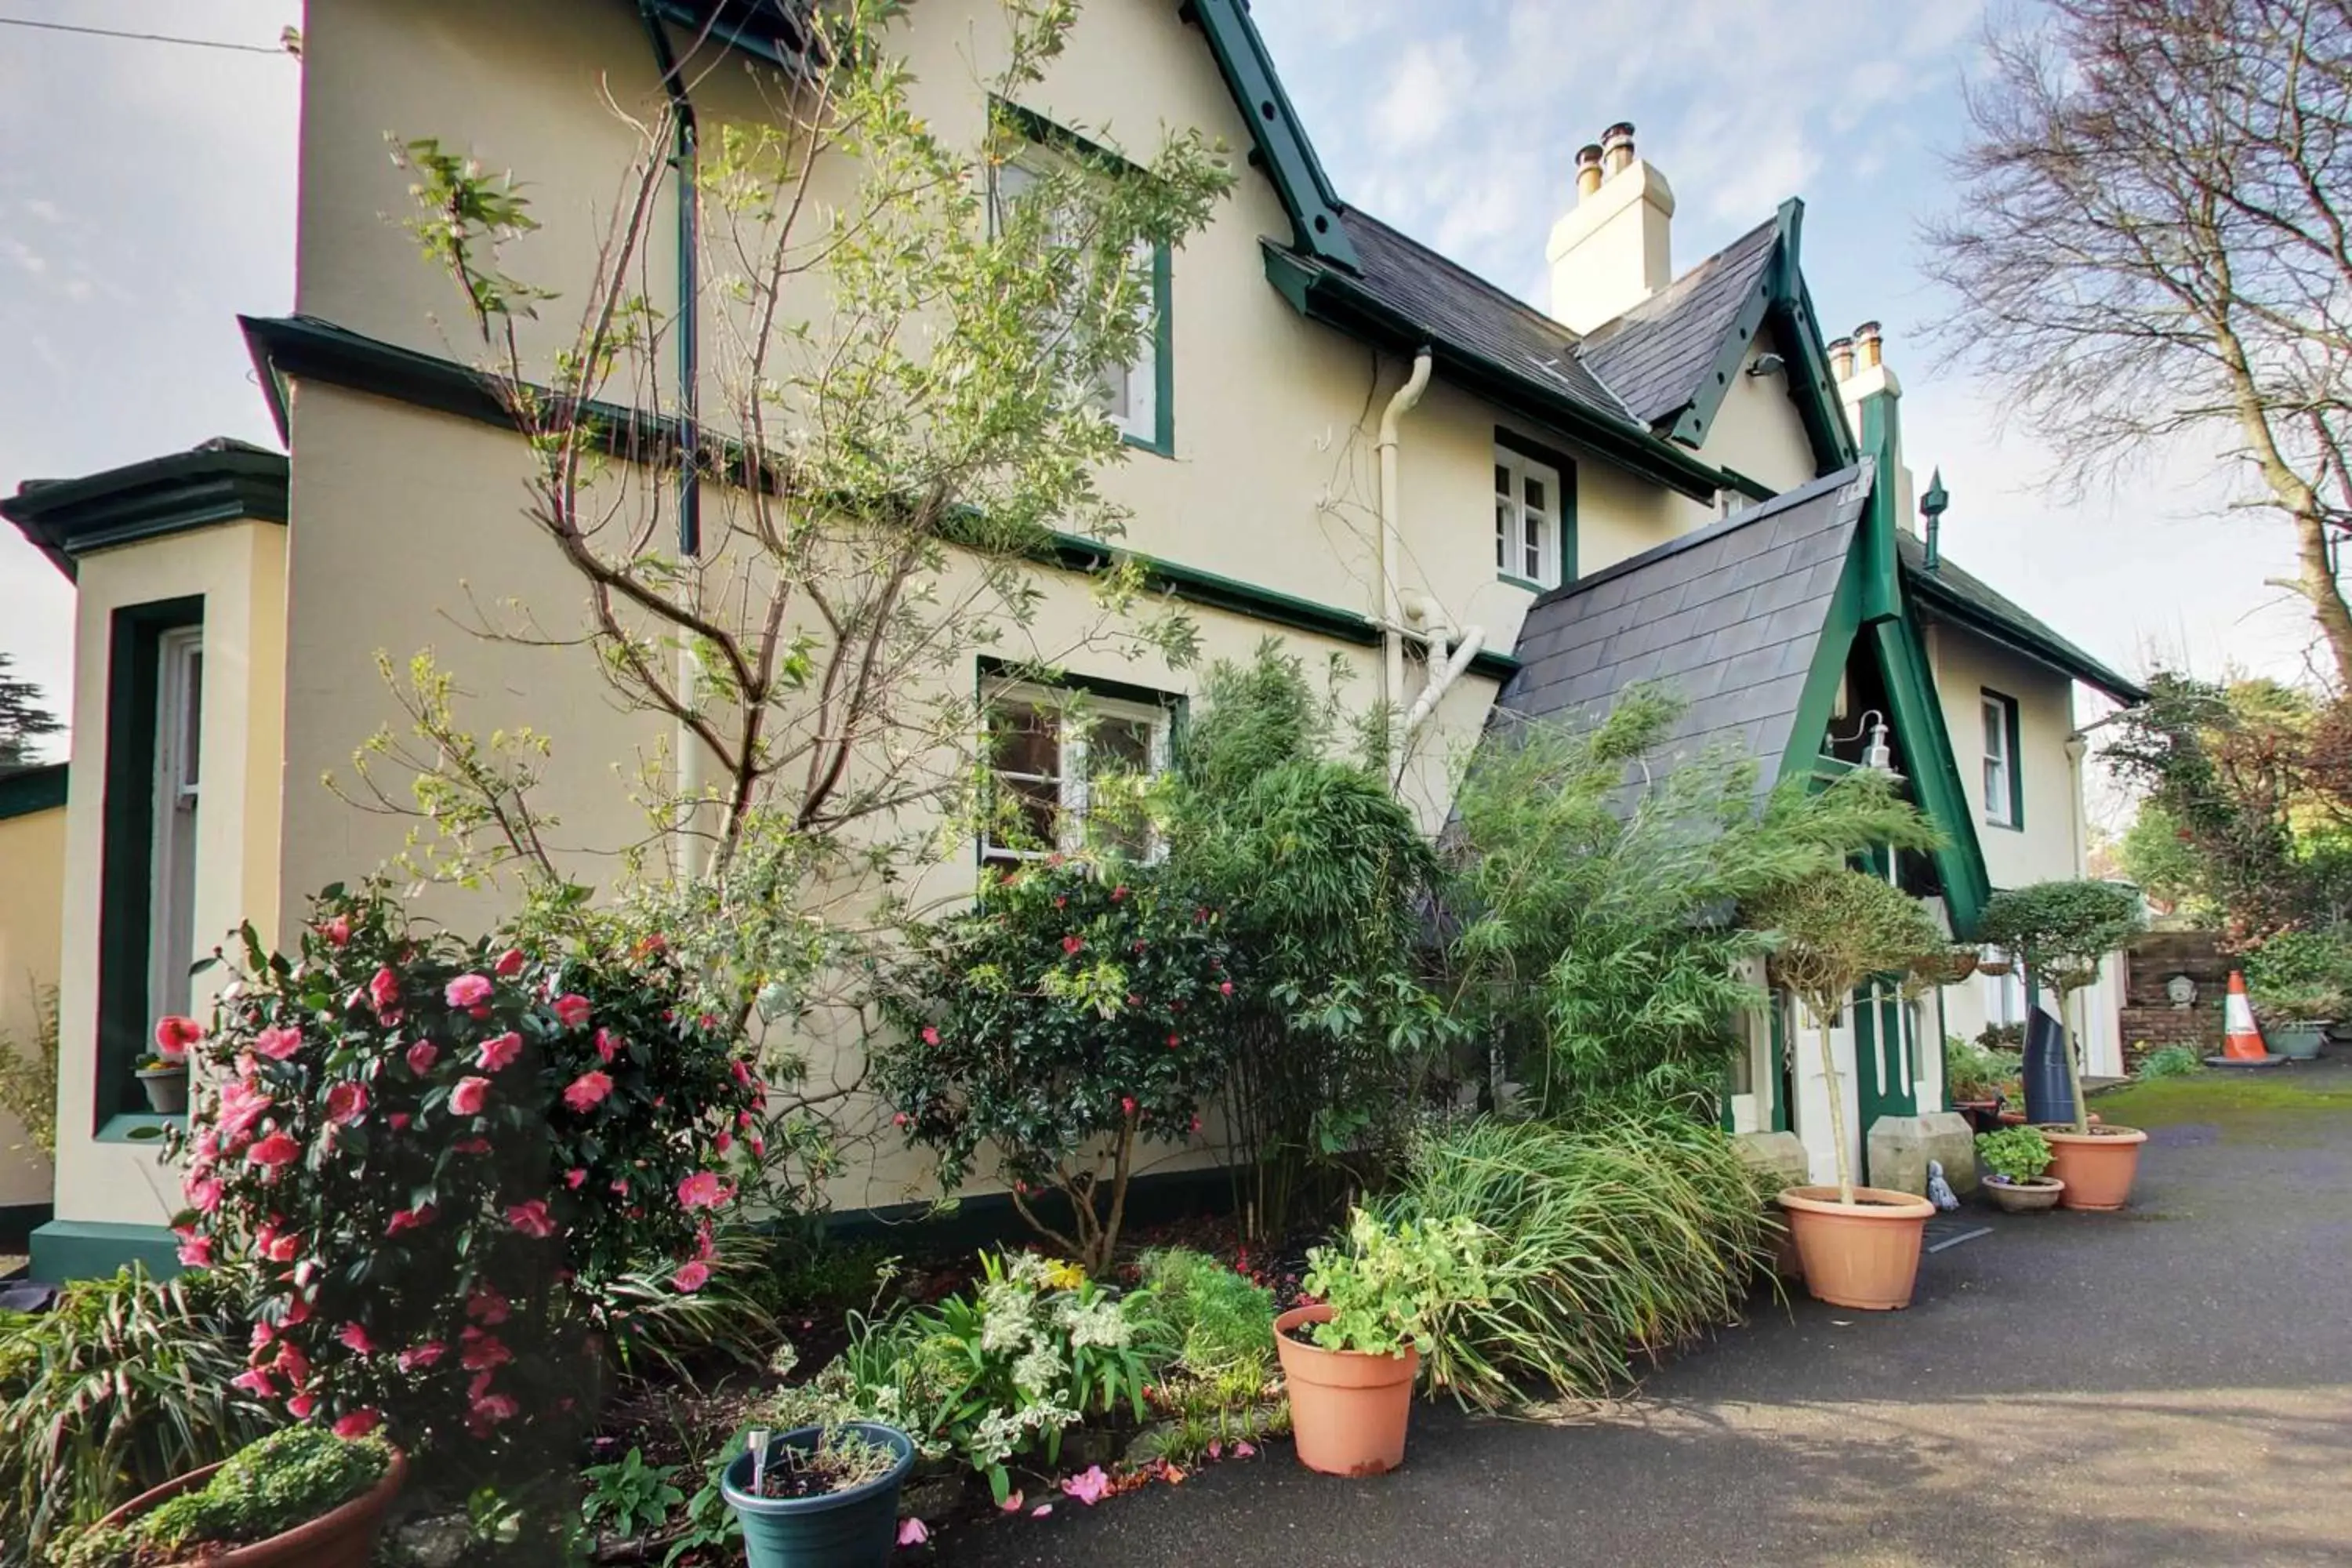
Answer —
1656 356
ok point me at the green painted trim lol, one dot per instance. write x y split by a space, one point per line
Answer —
30 791
1779 1061
1754 490
1164 360
1812 387
2029 638
1337 300
69 1249
1529 585
1918 717
1560 462
1698 416
154 498
1284 150
136 1127
1818 700
1882 439
1495 666
126 881
2015 737
990 668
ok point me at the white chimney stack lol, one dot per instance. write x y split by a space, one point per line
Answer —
1612 249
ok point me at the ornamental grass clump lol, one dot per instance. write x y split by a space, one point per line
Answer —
435 1157
1634 1232
2061 932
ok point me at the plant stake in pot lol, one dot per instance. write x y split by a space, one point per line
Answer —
1836 929
820 1496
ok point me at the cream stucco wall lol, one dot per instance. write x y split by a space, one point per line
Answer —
240 570
1756 431
32 884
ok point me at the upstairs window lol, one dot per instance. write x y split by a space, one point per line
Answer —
1063 763
2004 790
1533 516
1134 396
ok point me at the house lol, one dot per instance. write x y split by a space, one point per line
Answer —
1665 476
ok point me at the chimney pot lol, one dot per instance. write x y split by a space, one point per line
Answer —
1841 358
1588 170
1866 340
1617 145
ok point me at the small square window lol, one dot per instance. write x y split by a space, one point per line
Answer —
1056 756
1529 525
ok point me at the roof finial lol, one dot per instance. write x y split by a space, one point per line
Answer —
1931 506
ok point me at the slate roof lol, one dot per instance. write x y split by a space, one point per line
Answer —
1656 355
1958 595
1727 616
1457 304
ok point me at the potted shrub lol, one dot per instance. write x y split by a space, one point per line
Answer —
1348 1361
2014 1158
164 1071
2060 931
1972 1080
2298 980
1860 1246
820 1496
301 1498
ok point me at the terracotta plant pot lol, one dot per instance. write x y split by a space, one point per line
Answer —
2023 1197
2097 1166
1864 1255
343 1539
1347 1410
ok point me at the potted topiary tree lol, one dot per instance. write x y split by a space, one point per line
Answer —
1348 1361
301 1498
1836 929
2060 931
2014 1158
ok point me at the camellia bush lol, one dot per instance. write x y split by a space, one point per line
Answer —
436 1154
1075 1011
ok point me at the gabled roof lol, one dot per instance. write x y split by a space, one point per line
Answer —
1730 618
222 480
1656 355
1948 594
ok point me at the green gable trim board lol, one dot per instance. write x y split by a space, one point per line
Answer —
29 791
1946 593
67 1249
223 480
1281 144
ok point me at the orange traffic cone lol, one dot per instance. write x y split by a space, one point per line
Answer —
2243 1040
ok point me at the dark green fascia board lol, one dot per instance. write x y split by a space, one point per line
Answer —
68 519
684 15
1802 757
29 791
1336 300
1882 440
2033 641
1698 416
1812 385
1754 490
69 1249
1284 150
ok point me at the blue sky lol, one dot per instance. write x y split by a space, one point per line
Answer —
150 198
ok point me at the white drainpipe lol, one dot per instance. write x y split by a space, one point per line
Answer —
1391 549
1443 673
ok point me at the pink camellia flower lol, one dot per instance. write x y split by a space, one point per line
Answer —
397 1121
498 1052
297 1312
277 1044
255 1381
588 1091
416 1357
354 1338
703 1190
691 1276
384 989
724 1141
1127 1106
275 1152
1089 1486
174 1034
531 1219
607 1047
470 1146
574 1177
1243 1450
759 1147
510 963
291 1364
1226 988
467 991
479 1352
913 1533
621 1186
408 1220
301 1406
337 930
1013 1503
203 1192
493 1408
262 1334
572 1009
899 1120
241 1107
930 1035
196 1252
468 1098
487 1306
742 1074
1070 944
282 1248
421 1056
347 1102
358 1424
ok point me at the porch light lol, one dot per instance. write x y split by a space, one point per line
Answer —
1877 755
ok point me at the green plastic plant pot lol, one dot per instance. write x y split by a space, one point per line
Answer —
853 1529
2298 1040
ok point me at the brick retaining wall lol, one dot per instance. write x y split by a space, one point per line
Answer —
2149 1020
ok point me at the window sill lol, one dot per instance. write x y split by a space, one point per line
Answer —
2005 827
1529 584
137 1127
1146 444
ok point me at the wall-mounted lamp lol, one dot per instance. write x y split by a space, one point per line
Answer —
1877 754
1768 365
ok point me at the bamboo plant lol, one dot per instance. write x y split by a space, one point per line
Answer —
1834 930
2059 931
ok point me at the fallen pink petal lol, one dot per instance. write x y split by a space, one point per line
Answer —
912 1533
1244 1451
1011 1504
1089 1486
1041 1511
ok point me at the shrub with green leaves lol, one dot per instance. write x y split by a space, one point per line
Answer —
1633 1231
125 1383
285 1479
1203 1317
1974 1071
2300 975
1388 1281
2169 1061
2061 932
2014 1153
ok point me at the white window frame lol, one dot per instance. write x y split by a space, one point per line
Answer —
1137 384
1075 711
2004 998
1513 520
1999 762
172 819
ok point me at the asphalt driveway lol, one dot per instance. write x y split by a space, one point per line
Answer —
2172 1385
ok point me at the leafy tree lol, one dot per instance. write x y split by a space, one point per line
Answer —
1594 882
2148 247
23 718
2060 931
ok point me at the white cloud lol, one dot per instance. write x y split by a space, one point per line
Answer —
1431 82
